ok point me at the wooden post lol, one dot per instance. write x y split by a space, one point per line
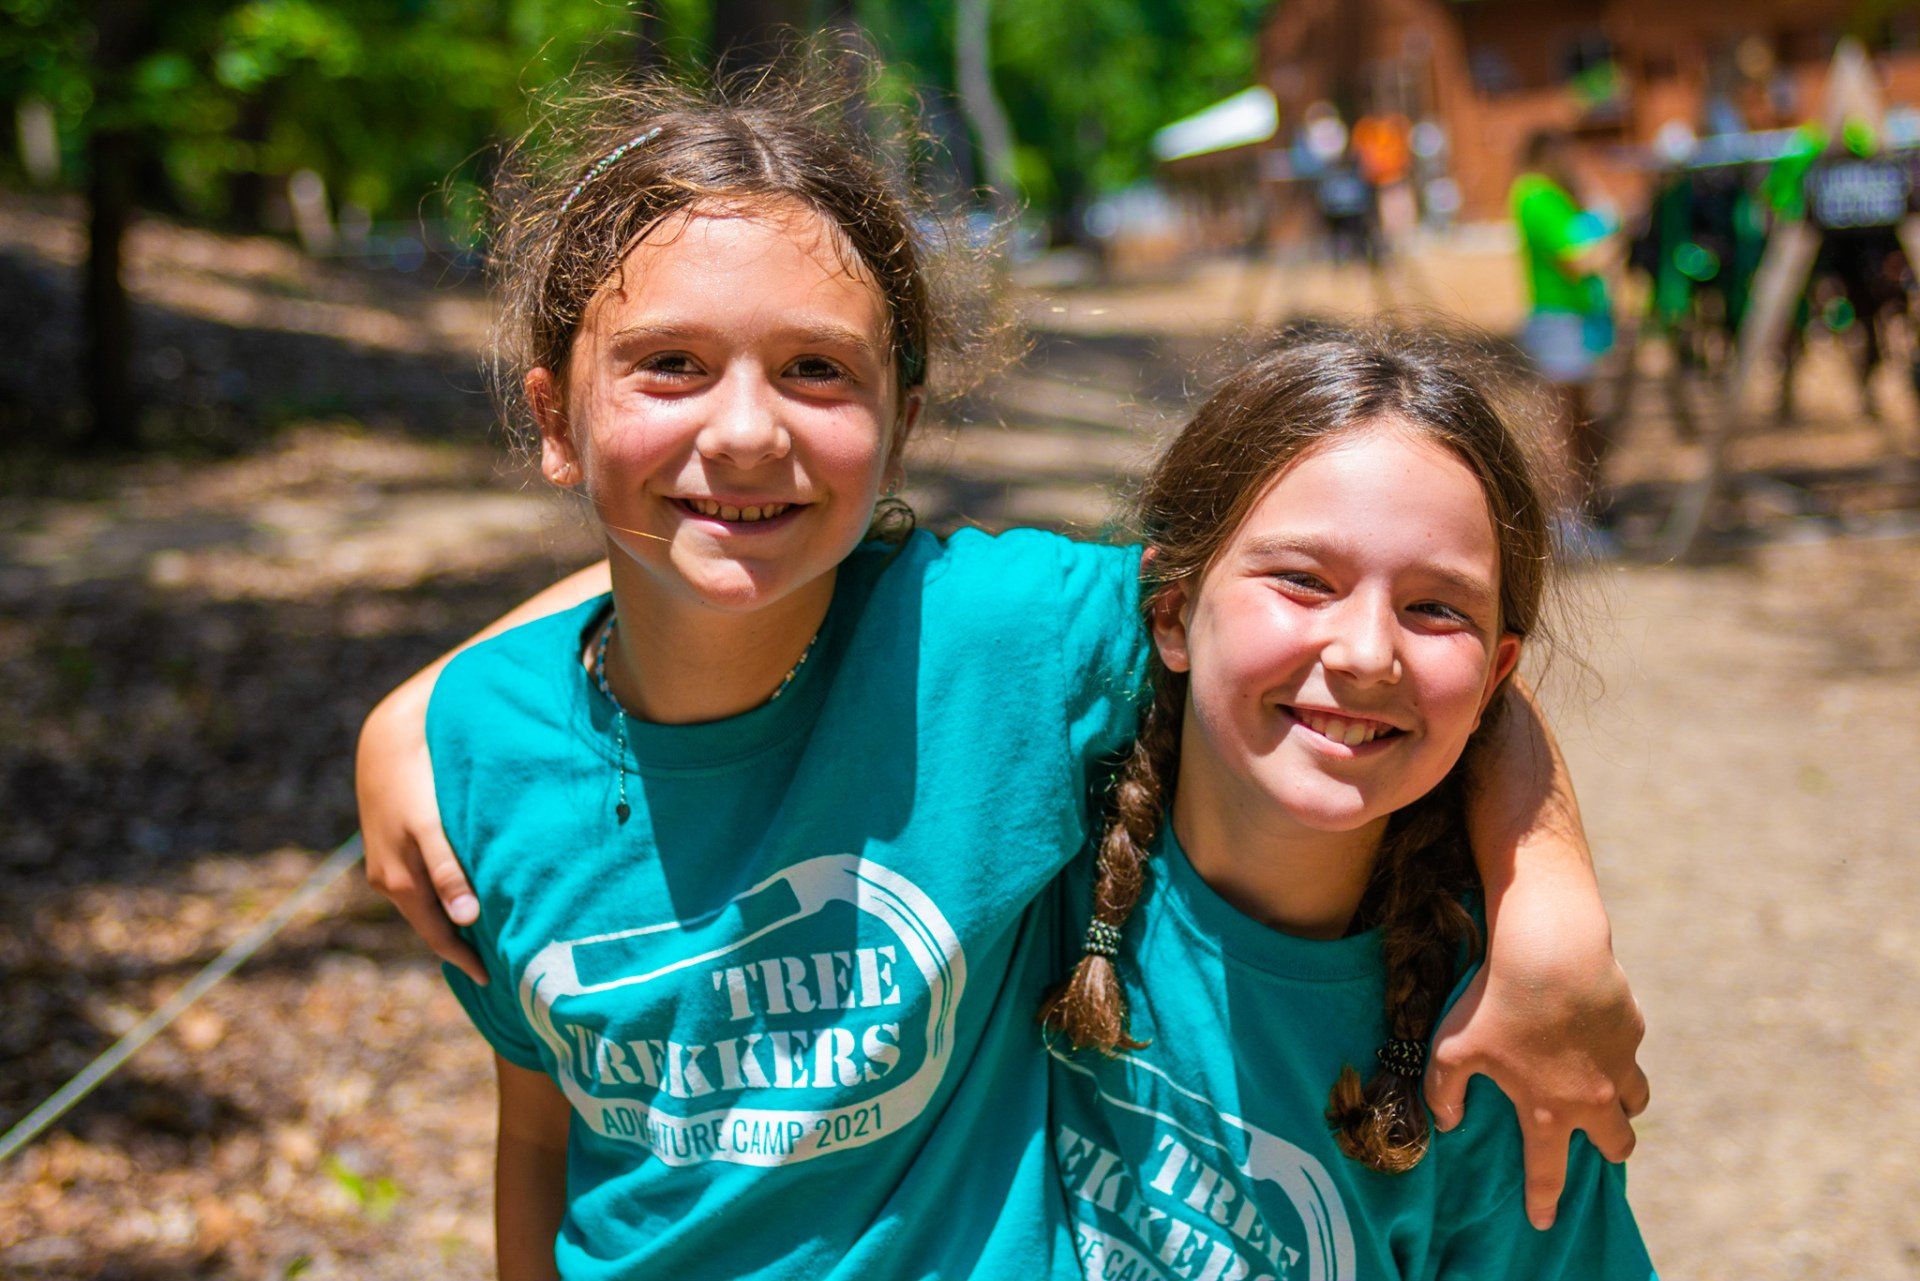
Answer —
1777 287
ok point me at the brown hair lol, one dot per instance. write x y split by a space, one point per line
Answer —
1318 382
610 159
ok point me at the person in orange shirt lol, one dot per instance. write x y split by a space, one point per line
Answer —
1382 145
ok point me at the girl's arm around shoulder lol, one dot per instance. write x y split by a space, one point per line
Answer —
1549 1016
408 858
530 1173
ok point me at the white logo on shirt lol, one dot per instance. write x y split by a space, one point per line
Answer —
846 1030
1188 1206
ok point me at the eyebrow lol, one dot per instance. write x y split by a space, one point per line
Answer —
816 333
1261 546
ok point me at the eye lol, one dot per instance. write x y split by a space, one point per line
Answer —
1300 582
1442 612
668 366
816 369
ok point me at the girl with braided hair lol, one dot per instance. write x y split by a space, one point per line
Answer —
1347 550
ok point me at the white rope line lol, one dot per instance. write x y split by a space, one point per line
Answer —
109 1062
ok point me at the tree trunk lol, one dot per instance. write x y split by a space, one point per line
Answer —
114 418
247 188
992 133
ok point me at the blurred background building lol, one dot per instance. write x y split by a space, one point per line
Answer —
1465 82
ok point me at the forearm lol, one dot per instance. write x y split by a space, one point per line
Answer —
1523 820
529 1189
408 857
530 1175
1549 1016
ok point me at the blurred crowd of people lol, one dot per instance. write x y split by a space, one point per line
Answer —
1374 182
1679 268
1683 267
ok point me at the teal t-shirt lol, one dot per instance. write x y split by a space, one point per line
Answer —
1207 1155
791 998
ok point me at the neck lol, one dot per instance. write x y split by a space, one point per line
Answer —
678 664
1295 879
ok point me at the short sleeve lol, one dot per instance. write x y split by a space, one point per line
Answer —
494 1011
1593 1237
1104 645
455 719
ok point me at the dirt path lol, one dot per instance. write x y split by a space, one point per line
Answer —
188 649
1751 787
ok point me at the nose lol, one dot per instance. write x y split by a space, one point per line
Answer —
1362 640
743 426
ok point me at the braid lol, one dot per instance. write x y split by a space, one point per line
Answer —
1091 1007
1424 867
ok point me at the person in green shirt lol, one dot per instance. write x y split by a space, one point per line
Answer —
1570 322
1785 184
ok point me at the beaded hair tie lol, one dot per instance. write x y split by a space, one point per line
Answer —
1403 1057
606 162
1103 939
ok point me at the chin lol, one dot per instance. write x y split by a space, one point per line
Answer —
1333 822
736 591
727 586
1334 808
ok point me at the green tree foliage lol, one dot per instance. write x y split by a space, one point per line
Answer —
199 105
1085 82
390 101
204 107
394 102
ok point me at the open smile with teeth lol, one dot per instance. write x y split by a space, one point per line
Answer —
744 515
1350 730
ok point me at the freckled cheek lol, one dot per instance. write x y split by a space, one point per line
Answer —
1449 677
632 445
633 455
849 447
1256 649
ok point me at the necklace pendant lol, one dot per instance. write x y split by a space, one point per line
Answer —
622 811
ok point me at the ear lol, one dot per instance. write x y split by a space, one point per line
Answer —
896 473
911 407
1506 657
1170 613
559 459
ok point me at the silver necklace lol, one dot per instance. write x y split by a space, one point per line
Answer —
621 810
